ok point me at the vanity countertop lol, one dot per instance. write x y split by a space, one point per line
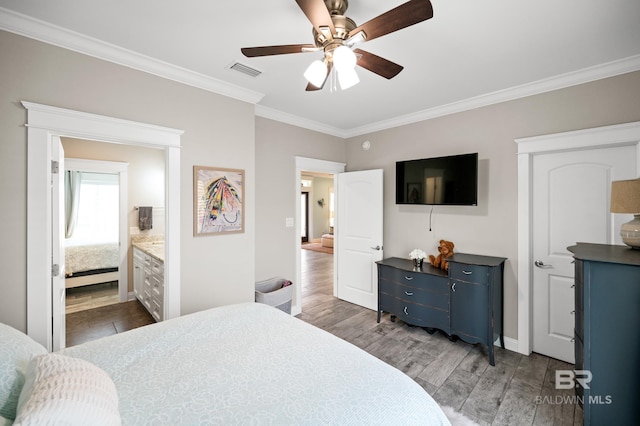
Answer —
153 245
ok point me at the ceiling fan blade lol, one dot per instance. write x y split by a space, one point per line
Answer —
252 52
312 88
376 64
403 16
318 14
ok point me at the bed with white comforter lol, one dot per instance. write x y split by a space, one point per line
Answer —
252 364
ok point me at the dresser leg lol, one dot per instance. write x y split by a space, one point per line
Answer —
502 340
453 338
430 330
379 313
491 359
393 318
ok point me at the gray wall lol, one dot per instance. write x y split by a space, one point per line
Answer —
219 131
277 145
491 227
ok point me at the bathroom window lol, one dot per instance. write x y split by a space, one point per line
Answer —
97 210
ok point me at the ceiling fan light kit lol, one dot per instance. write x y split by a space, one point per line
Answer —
316 73
338 36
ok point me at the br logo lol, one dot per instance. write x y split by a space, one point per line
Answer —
566 379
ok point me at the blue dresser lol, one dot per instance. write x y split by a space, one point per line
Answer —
607 331
465 302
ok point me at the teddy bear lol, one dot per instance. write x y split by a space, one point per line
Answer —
446 250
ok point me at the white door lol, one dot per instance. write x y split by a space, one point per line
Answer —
571 197
359 236
58 295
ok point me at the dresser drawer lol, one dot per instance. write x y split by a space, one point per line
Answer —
469 273
415 314
421 296
433 283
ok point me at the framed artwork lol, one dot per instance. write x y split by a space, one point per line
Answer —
414 192
218 197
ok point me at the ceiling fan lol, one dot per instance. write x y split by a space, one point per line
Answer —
338 36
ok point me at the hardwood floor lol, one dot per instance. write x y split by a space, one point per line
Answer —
92 324
455 374
91 296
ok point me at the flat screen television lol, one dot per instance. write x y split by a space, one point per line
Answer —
447 181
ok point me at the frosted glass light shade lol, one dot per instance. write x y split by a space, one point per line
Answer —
316 73
347 78
344 58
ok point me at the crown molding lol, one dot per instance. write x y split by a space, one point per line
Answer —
277 115
52 34
586 75
39 30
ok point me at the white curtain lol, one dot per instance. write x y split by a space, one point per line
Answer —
72 198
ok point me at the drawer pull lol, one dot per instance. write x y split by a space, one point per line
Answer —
572 340
405 311
467 272
572 312
408 278
453 287
408 293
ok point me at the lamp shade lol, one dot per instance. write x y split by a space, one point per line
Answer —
625 196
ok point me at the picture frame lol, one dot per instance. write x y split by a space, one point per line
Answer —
218 201
414 192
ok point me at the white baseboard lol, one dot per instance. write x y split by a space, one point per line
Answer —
510 344
132 296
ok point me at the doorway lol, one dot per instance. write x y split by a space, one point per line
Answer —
96 223
44 124
329 168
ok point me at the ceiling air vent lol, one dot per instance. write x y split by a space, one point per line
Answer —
245 69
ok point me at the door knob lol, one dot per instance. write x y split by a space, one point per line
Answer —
541 264
376 248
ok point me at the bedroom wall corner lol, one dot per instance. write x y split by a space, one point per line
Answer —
277 145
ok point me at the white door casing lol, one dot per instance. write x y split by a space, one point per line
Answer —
45 122
571 193
528 148
58 290
359 237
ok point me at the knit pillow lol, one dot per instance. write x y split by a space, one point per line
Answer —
62 390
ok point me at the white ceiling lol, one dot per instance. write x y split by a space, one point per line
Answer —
471 53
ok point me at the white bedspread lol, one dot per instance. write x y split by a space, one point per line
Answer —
89 257
253 364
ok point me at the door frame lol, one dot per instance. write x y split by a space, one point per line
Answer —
122 170
312 165
527 149
43 123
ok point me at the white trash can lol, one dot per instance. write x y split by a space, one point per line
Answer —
275 292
